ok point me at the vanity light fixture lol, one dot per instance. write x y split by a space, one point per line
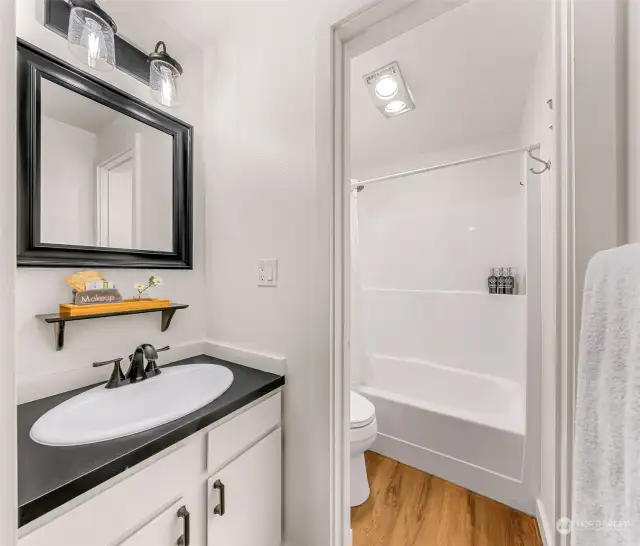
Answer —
91 35
389 91
164 72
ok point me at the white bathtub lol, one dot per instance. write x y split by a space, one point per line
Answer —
463 426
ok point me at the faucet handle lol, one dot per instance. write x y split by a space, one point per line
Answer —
117 377
152 368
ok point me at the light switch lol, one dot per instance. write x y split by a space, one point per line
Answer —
268 273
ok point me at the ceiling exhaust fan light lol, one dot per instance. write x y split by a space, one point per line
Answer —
389 91
386 88
91 37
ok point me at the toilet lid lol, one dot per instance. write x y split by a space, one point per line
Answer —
363 411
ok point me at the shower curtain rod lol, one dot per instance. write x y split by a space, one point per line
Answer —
357 184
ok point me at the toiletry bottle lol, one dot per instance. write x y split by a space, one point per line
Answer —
509 282
501 280
493 282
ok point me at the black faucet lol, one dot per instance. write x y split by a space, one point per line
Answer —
137 371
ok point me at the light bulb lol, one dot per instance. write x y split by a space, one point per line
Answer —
93 43
395 107
168 87
386 88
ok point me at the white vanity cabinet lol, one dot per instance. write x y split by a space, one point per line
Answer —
239 459
166 529
244 498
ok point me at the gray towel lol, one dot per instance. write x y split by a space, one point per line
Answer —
606 478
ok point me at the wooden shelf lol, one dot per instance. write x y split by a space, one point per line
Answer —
59 320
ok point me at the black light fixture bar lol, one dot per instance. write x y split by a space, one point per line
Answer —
129 58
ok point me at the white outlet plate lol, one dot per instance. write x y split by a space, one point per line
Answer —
268 272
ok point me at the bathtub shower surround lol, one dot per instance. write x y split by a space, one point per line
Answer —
469 418
440 356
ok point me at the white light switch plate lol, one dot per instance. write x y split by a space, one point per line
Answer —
268 273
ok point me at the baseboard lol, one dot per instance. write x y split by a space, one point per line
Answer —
41 386
252 359
546 532
501 488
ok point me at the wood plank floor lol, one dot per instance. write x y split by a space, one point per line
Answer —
410 508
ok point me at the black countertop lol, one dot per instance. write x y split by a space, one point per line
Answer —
49 476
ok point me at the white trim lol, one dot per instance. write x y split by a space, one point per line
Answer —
565 196
47 385
252 359
543 524
567 324
40 386
137 191
103 179
488 483
8 470
422 170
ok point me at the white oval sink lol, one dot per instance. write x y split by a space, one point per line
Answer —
101 414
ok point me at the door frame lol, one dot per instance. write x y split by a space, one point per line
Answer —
353 35
103 183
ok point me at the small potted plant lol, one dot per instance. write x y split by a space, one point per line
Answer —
142 288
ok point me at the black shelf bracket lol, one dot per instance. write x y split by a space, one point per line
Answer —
167 316
59 321
58 332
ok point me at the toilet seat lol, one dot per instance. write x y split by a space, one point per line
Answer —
363 412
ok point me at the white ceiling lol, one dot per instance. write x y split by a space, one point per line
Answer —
61 104
144 22
469 71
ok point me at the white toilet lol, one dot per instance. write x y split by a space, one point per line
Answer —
364 428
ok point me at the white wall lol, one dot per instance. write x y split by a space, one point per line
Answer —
8 472
40 369
154 174
68 169
265 202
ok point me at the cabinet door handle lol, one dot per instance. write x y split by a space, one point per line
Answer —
185 539
220 509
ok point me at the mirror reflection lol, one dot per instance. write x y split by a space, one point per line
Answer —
106 178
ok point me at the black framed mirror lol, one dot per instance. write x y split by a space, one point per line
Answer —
104 179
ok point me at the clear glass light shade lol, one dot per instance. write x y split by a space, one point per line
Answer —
163 81
386 88
91 39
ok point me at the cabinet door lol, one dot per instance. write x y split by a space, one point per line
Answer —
245 497
163 530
